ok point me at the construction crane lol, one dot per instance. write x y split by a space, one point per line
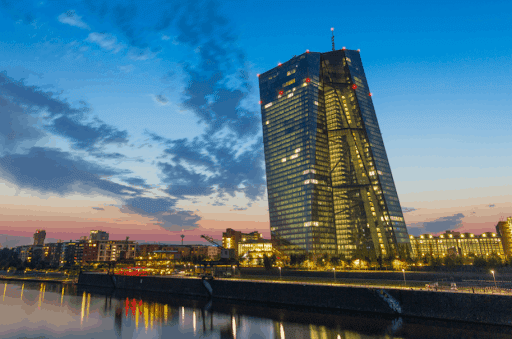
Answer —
225 253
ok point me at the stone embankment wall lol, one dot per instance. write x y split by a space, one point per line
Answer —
489 309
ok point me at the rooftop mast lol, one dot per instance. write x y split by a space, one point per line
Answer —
332 38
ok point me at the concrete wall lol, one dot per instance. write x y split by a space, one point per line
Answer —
489 309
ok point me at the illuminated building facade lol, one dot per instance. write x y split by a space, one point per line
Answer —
330 188
254 250
463 244
504 230
39 237
231 238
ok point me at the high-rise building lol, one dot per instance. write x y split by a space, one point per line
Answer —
231 238
330 188
39 237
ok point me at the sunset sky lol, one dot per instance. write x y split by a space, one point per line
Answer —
142 118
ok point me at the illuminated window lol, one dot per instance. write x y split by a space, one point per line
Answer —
288 83
290 95
290 72
297 150
268 105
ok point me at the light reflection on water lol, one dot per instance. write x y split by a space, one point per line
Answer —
47 310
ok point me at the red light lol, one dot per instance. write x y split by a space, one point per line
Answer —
279 64
358 50
370 94
281 92
307 50
308 80
260 102
343 48
332 28
258 75
354 86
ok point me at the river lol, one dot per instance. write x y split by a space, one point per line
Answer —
52 310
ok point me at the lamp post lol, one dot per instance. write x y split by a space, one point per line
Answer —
492 271
403 271
279 273
334 270
234 270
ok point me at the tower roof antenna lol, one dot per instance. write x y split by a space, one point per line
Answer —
332 38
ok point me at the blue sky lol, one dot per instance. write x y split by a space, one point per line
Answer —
142 118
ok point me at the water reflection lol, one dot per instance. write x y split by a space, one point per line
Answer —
66 311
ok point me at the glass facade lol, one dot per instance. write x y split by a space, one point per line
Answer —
330 187
463 244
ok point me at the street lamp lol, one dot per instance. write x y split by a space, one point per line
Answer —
403 271
279 273
334 270
492 271
234 270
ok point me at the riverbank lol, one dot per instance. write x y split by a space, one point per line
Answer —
447 305
60 281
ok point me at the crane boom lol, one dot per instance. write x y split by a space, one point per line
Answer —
209 239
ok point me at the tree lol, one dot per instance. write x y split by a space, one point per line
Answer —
435 262
267 262
479 261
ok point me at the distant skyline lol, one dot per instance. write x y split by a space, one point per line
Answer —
143 119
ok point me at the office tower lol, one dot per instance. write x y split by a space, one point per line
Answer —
39 237
330 187
98 235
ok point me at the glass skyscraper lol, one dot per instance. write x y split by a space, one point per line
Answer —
330 188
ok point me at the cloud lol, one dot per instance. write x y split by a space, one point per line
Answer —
126 69
163 211
51 170
236 208
98 208
217 92
142 55
22 104
72 19
105 41
492 205
88 135
207 166
437 226
136 182
161 99
408 209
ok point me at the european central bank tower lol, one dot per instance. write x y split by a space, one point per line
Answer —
330 188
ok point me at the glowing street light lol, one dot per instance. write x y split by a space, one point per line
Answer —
492 271
279 273
403 271
334 270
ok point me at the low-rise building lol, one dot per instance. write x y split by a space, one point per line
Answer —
254 250
213 252
463 244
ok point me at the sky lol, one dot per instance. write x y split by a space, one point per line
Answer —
142 118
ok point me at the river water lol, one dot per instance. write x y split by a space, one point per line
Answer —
51 310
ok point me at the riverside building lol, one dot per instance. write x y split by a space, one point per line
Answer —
330 188
456 243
